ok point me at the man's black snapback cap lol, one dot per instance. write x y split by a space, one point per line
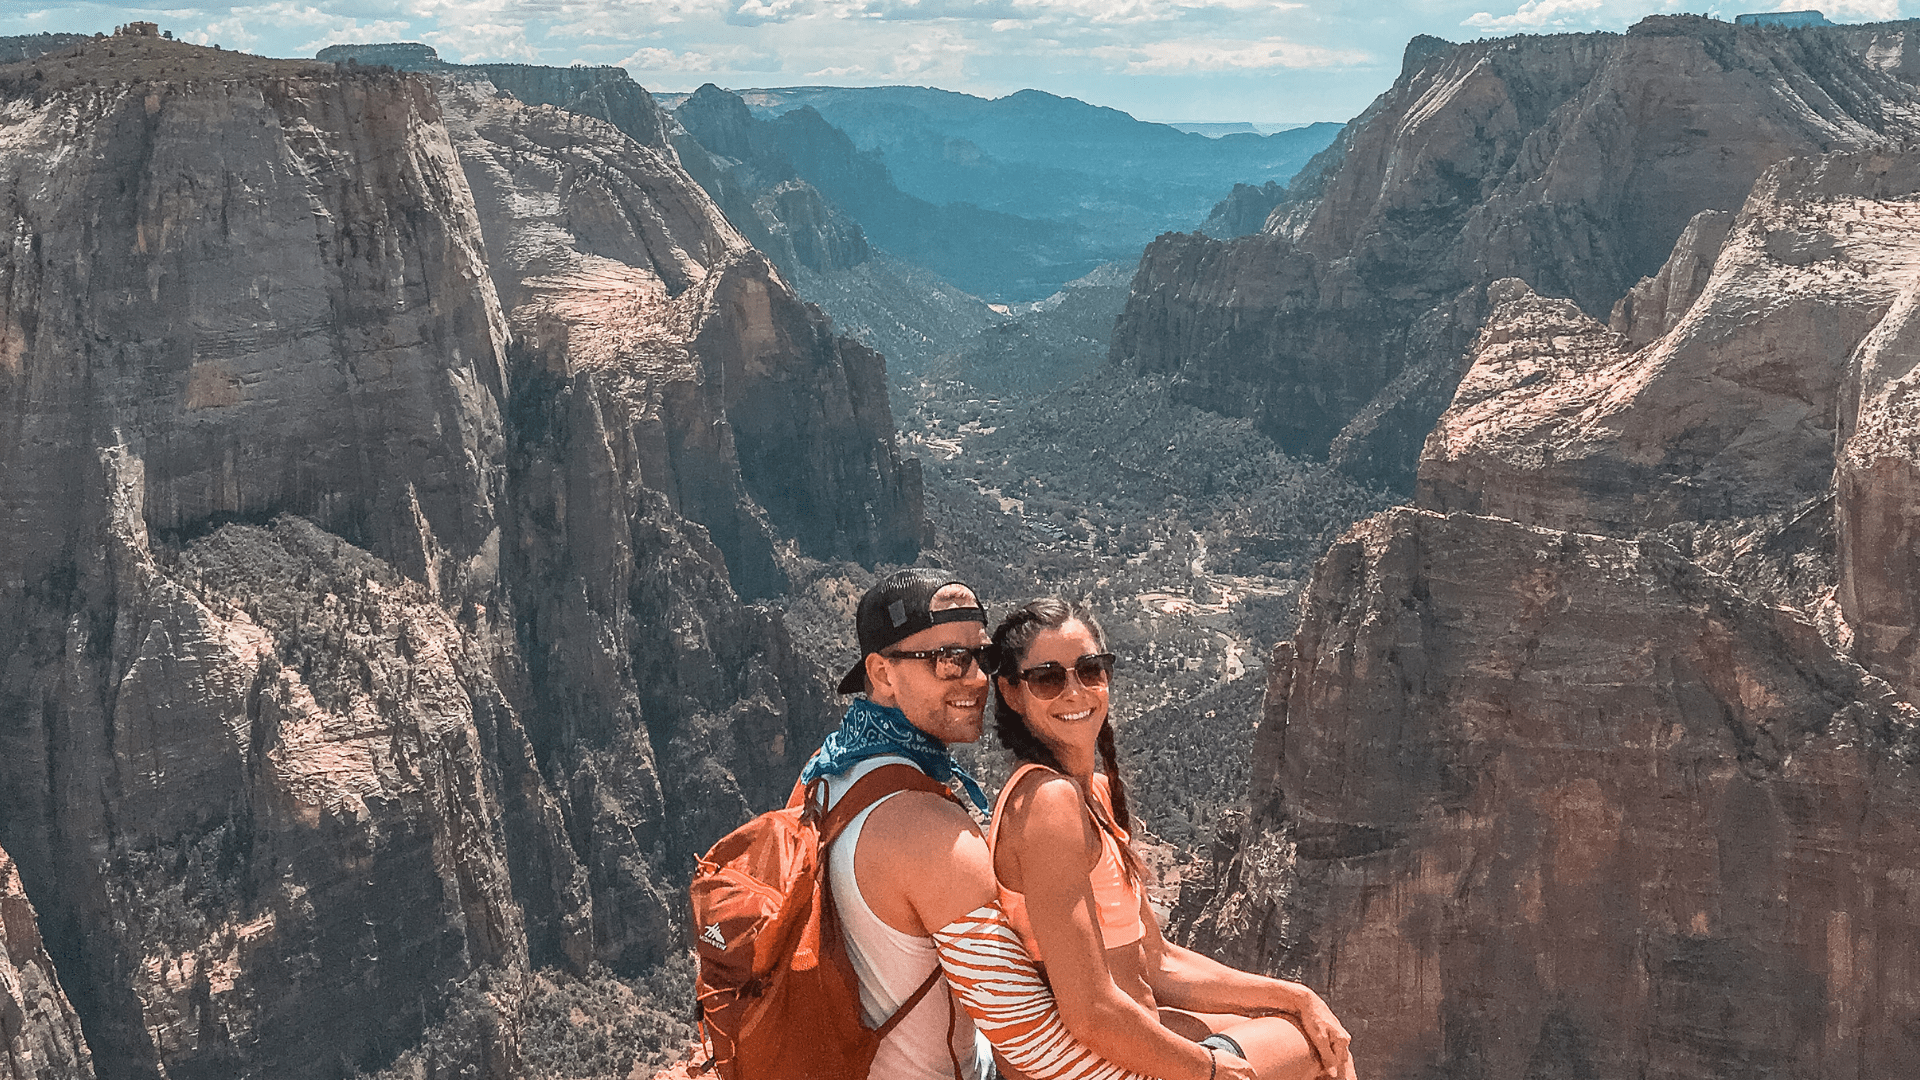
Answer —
897 607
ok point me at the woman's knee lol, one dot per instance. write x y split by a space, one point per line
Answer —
1276 1048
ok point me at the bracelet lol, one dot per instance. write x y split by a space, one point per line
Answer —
1213 1062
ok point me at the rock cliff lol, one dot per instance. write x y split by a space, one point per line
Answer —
1536 803
368 621
1534 800
1729 406
43 1038
1572 162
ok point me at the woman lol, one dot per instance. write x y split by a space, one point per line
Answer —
1072 887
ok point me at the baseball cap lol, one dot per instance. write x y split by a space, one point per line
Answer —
897 607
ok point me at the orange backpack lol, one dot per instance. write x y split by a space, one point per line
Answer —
778 995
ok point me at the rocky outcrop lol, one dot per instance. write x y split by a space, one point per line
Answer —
1877 498
733 398
1342 326
1244 211
42 1033
358 638
1657 304
739 161
1729 409
1534 803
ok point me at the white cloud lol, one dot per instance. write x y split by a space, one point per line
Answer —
712 61
1214 54
479 41
1541 15
1849 10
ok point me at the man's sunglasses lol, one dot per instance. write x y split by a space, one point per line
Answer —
1049 680
949 661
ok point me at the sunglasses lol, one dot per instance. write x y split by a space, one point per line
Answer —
949 661
1049 680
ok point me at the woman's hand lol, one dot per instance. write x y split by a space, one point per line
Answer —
1228 1067
1323 1030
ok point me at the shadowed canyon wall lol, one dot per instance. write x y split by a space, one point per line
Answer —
378 463
1571 162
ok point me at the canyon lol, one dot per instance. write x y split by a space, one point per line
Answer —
431 506
1339 327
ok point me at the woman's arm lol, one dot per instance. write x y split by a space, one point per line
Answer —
1188 980
1050 843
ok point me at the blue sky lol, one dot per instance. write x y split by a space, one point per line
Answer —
1196 60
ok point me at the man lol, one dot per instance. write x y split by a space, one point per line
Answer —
914 864
914 861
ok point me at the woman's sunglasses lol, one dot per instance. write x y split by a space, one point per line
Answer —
1049 680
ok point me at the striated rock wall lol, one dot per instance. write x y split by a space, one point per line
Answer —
739 160
1572 162
740 403
42 1032
1877 497
1534 803
360 634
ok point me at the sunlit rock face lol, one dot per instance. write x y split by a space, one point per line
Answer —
361 638
1572 162
619 274
1603 762
1530 802
1728 407
42 1032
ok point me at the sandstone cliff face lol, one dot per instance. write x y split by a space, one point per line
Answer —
1730 408
1877 498
1532 803
1572 162
613 265
43 1038
358 633
739 161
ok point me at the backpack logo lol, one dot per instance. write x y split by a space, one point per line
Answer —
712 936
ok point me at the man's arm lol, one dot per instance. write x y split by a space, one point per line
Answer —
922 863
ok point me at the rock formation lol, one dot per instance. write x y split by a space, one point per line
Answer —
42 1033
1535 801
739 161
1571 162
367 608
1244 211
1728 409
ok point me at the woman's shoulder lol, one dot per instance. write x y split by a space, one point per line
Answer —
1039 796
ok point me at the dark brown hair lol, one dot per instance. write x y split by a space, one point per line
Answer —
1011 640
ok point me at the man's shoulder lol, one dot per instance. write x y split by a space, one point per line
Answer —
923 825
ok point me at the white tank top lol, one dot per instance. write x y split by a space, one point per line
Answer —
892 965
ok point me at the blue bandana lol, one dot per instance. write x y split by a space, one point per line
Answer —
869 730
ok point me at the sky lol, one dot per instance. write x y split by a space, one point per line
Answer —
1168 60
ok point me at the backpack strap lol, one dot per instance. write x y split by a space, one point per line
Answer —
906 1007
869 789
